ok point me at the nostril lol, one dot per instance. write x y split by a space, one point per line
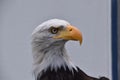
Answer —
70 29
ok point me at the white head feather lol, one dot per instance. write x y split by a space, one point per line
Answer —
49 52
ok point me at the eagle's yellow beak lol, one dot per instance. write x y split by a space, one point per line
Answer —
70 33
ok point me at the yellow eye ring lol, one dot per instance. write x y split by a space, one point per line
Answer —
54 30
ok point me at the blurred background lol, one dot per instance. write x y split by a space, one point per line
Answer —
18 18
118 38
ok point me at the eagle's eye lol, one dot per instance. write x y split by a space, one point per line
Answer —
54 30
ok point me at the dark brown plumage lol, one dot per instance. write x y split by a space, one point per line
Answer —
62 74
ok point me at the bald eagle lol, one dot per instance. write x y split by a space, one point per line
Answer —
51 61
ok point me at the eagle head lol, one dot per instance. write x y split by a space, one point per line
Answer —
48 41
56 30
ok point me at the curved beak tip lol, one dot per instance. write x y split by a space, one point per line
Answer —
71 33
80 42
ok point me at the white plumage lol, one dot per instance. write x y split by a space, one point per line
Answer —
56 55
51 61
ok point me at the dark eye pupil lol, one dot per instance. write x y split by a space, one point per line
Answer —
54 30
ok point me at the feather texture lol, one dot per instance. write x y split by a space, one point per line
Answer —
51 61
66 74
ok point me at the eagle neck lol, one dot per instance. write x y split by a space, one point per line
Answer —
53 57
